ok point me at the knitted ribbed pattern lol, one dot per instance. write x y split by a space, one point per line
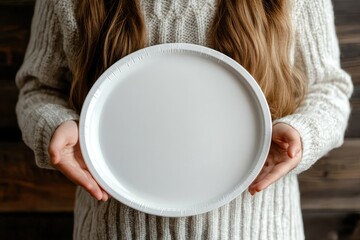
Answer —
178 21
275 213
44 82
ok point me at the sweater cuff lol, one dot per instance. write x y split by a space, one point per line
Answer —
46 126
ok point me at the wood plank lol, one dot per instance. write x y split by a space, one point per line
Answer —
334 181
14 32
330 225
25 187
16 2
13 43
344 204
16 14
353 129
350 59
348 33
9 130
54 226
8 73
346 7
8 98
347 16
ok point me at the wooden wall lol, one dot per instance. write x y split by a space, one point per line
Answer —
35 203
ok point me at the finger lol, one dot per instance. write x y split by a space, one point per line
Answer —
79 157
106 196
283 145
268 165
81 162
57 143
264 172
82 178
94 188
275 174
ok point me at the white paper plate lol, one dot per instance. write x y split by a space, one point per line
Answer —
175 130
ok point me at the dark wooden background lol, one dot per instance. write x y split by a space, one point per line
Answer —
37 204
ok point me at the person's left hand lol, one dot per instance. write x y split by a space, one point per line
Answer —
284 155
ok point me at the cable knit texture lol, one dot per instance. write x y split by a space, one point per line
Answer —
275 213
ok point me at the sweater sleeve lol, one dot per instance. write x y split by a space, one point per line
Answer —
322 118
43 81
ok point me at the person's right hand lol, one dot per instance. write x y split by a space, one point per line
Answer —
65 154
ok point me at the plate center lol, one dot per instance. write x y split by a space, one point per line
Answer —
179 130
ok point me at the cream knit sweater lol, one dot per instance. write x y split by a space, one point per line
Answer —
275 213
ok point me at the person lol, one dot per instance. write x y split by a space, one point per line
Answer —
291 49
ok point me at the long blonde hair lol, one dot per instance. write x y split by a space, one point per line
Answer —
256 33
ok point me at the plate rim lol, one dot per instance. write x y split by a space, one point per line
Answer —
166 48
